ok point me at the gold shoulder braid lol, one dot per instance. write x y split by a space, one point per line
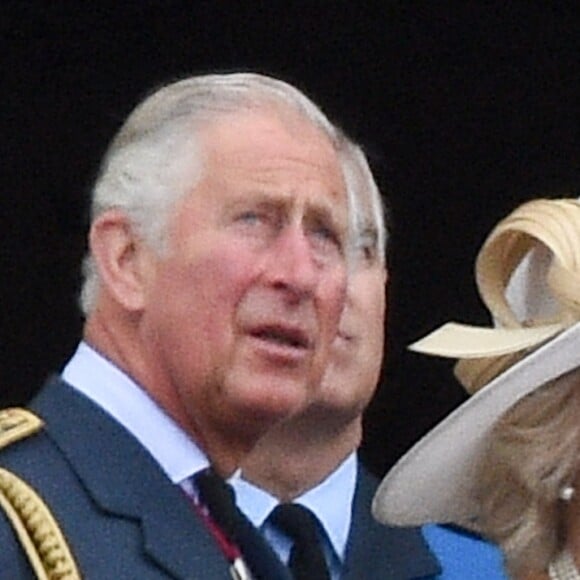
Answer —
16 424
35 527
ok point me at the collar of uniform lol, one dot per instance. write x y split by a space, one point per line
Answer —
117 394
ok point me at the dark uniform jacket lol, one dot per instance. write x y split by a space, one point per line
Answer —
123 518
375 551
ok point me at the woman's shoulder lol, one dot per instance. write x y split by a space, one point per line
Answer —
464 554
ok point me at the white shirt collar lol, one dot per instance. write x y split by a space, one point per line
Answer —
336 490
180 458
118 395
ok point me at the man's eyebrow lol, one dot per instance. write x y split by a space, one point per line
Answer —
259 197
319 209
328 212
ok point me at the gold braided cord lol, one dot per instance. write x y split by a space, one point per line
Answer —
23 535
37 530
17 423
34 525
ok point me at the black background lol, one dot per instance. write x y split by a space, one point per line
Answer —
466 109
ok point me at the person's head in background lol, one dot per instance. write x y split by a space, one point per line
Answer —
216 272
299 453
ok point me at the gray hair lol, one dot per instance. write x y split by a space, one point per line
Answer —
155 159
533 452
368 229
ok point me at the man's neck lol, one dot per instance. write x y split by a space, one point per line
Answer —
297 455
120 345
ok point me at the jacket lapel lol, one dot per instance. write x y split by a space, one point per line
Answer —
378 552
125 481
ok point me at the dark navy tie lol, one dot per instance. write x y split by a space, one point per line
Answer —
307 560
219 498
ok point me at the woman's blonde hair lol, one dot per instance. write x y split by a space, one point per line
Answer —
533 452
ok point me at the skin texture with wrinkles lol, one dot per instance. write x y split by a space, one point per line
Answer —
230 329
301 452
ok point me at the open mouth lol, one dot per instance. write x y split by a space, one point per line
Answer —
291 337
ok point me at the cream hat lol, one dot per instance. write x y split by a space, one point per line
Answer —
528 276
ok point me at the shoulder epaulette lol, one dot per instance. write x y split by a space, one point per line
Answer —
17 423
34 525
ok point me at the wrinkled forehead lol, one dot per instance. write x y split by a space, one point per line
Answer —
268 117
274 143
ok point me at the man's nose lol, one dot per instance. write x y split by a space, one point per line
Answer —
291 264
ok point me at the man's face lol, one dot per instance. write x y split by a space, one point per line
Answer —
357 353
242 310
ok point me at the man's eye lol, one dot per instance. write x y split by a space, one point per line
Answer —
250 217
327 238
326 233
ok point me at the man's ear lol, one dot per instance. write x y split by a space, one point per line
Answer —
122 259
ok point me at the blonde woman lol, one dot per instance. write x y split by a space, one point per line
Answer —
506 462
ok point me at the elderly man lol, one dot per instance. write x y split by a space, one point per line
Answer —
310 460
213 288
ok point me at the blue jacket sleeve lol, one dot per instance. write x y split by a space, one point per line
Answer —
463 555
